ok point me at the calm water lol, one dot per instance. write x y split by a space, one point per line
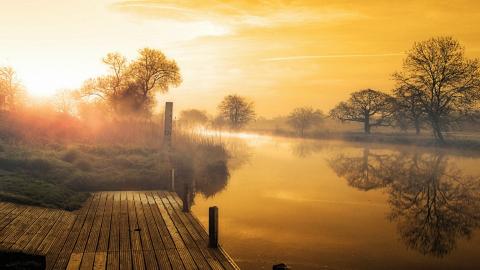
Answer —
334 205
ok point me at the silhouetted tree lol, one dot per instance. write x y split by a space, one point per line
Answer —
236 110
408 109
304 118
372 108
446 84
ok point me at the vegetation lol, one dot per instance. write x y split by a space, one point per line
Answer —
193 117
370 107
130 87
237 111
445 85
304 118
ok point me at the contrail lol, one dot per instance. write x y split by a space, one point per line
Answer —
304 57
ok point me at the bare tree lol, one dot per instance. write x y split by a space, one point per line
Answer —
408 109
446 83
304 118
372 108
11 91
236 110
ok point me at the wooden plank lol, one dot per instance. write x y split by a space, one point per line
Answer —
34 245
135 238
19 226
114 238
100 261
147 246
126 260
125 250
86 229
113 260
74 261
106 225
192 247
57 234
187 259
200 242
9 218
94 235
154 234
173 256
87 261
44 219
219 253
64 255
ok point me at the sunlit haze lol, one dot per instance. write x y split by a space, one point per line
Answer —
282 54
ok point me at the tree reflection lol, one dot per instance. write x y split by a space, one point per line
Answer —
432 202
364 172
306 148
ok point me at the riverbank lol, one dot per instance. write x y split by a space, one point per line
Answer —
62 175
456 141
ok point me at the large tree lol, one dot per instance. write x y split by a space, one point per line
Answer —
236 110
370 107
446 83
130 87
303 118
408 109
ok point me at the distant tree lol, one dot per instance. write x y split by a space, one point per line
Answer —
445 82
370 107
408 109
237 111
64 101
11 91
130 87
193 117
304 118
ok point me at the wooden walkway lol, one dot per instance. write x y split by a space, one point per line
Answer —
113 230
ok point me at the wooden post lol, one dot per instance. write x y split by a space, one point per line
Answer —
172 186
186 199
213 227
167 133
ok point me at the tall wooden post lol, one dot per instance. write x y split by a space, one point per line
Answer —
213 227
167 134
186 199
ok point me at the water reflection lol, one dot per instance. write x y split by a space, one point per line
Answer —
210 174
432 202
306 148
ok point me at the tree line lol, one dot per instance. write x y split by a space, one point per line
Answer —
438 87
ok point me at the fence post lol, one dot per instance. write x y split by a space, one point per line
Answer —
172 186
213 227
167 132
186 199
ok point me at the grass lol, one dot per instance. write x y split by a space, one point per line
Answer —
61 176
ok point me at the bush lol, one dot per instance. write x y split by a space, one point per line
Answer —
70 155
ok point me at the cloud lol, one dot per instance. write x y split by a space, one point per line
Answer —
237 13
307 57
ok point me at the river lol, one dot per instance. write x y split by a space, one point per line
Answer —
337 205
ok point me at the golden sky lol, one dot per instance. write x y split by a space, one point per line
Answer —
282 54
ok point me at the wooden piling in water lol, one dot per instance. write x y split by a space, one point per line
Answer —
213 227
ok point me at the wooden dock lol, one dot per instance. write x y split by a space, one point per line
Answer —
113 230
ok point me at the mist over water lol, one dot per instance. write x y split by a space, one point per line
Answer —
336 205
